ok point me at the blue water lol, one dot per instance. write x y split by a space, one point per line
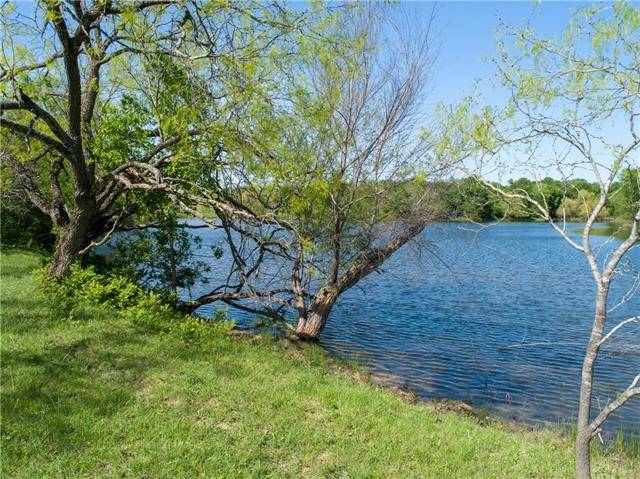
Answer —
497 316
500 320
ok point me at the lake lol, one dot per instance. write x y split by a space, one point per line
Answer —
497 316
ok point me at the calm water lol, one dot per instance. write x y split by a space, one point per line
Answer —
495 316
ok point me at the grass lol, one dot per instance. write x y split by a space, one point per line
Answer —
99 397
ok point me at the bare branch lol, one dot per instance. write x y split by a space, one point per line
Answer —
617 327
631 391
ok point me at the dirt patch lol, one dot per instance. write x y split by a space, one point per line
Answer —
226 426
173 402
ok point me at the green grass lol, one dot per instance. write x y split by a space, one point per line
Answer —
99 397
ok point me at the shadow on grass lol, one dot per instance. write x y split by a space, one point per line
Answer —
59 384
58 392
74 388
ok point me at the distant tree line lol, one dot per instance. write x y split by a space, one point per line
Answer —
465 199
469 199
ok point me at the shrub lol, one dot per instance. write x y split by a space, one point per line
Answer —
84 287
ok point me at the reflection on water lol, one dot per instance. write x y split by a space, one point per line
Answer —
620 231
500 319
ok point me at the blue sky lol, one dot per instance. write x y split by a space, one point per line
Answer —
467 32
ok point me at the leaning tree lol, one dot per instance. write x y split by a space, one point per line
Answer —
574 108
93 92
324 202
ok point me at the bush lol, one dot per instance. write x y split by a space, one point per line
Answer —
162 257
84 285
68 299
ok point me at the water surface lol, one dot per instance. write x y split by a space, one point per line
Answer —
497 316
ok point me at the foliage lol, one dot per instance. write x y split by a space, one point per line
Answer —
469 199
624 200
332 180
581 206
105 99
86 286
161 257
121 134
22 224
69 298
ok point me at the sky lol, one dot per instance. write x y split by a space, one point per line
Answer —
467 34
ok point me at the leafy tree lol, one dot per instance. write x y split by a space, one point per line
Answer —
325 196
625 194
547 191
21 222
160 256
101 95
581 206
471 200
576 185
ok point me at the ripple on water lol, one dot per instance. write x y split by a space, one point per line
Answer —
503 323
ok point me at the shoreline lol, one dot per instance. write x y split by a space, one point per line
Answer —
484 416
104 393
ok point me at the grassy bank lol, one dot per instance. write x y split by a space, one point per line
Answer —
99 396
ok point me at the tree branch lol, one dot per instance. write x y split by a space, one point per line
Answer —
369 261
29 186
28 104
631 391
72 70
30 132
617 327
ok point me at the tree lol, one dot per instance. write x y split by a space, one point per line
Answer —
468 199
104 90
574 105
625 194
160 256
547 190
581 206
22 223
323 203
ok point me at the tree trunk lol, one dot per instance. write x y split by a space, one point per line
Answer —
73 237
310 326
173 263
584 430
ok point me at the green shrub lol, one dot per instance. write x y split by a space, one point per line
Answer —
84 285
151 314
199 330
83 288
